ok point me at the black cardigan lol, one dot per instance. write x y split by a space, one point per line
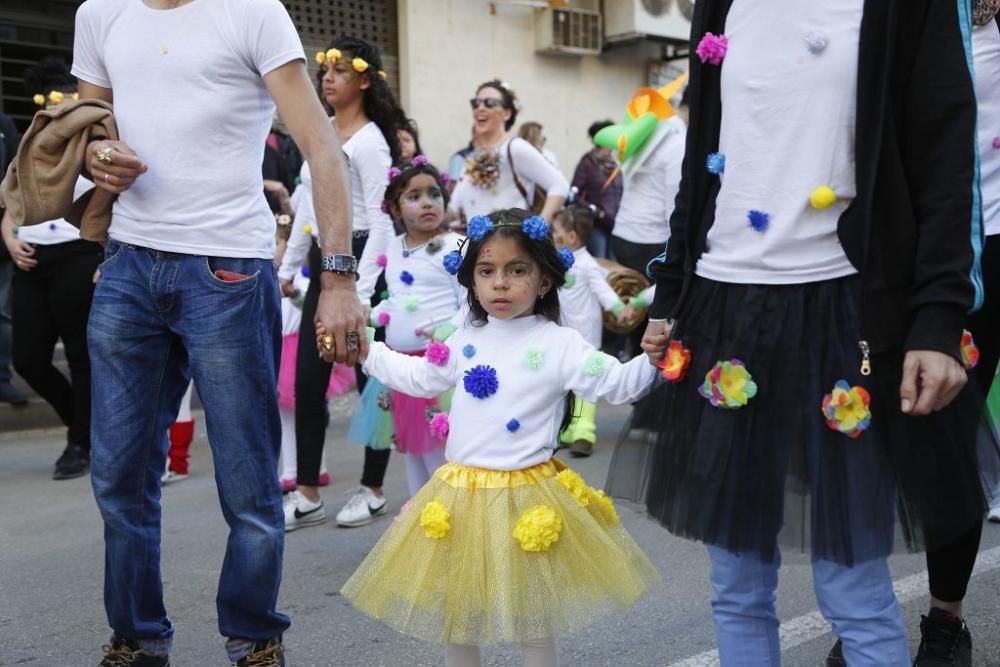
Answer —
914 230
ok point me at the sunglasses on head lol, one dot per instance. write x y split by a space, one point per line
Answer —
488 102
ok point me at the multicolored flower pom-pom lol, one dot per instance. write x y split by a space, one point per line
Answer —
439 425
481 381
513 425
816 42
823 197
406 278
452 262
437 353
846 409
469 351
674 366
533 359
712 48
728 385
759 220
382 261
479 227
567 257
970 352
384 319
715 163
536 228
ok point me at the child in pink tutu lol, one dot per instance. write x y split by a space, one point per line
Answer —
425 304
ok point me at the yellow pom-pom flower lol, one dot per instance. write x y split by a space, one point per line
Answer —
382 75
76 97
333 55
435 519
321 57
39 99
538 529
359 65
56 97
823 197
575 485
607 506
308 229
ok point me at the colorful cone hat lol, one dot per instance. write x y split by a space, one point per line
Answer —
644 112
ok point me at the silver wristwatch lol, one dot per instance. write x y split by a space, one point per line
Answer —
346 264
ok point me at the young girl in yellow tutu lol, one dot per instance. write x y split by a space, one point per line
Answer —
504 543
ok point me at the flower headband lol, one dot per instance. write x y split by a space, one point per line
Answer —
417 161
360 65
481 226
54 97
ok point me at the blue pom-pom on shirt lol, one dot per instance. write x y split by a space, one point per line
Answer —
452 262
481 381
469 351
479 227
513 425
715 163
567 258
536 228
759 220
406 277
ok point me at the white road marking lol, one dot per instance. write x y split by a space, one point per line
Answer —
811 626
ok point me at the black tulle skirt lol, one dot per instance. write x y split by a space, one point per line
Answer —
773 472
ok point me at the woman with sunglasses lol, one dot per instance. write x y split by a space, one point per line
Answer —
504 171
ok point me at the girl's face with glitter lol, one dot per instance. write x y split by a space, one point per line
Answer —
507 281
342 85
421 208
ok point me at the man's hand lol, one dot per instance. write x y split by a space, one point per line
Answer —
339 311
22 253
118 175
931 380
654 341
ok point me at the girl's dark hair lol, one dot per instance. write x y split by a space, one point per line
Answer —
508 98
507 223
410 127
577 218
397 185
51 73
378 102
597 126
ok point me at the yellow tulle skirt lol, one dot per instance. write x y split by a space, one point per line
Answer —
486 556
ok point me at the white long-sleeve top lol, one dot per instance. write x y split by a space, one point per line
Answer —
536 363
370 160
431 299
58 231
584 296
532 169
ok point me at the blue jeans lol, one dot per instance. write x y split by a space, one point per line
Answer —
158 319
6 277
599 244
857 601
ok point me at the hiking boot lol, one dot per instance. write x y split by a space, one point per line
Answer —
264 654
124 653
945 641
73 463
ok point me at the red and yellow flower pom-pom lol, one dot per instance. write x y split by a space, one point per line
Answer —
970 353
846 409
674 366
728 385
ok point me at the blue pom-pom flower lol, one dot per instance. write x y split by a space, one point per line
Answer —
452 262
479 227
481 381
715 163
305 271
759 220
469 351
536 228
567 258
513 425
406 277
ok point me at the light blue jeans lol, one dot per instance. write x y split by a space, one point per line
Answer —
857 601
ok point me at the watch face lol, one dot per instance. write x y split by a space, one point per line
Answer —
655 7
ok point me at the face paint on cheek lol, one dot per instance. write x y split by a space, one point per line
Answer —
411 209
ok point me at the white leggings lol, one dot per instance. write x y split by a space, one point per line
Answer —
538 653
289 469
420 468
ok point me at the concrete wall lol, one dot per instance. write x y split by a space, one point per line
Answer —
448 47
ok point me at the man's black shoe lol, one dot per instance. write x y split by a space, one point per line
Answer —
836 657
124 653
945 641
264 654
73 463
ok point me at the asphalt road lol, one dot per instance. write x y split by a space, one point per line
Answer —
51 569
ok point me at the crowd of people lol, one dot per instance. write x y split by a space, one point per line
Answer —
811 363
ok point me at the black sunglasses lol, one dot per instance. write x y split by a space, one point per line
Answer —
488 102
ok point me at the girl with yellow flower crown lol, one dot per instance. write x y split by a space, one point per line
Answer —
504 543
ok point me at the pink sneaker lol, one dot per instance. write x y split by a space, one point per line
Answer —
288 485
324 479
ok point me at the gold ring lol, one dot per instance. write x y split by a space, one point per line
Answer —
328 342
104 155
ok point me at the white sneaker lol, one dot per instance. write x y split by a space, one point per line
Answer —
362 508
171 476
301 512
994 515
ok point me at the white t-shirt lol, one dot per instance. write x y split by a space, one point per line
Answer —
534 363
55 231
190 100
788 120
986 55
532 168
584 296
649 191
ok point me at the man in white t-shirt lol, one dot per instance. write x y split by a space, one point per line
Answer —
188 290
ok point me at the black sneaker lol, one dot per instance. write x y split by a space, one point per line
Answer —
944 641
124 653
264 654
836 657
73 463
8 394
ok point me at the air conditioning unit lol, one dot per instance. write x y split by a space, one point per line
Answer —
570 31
659 20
